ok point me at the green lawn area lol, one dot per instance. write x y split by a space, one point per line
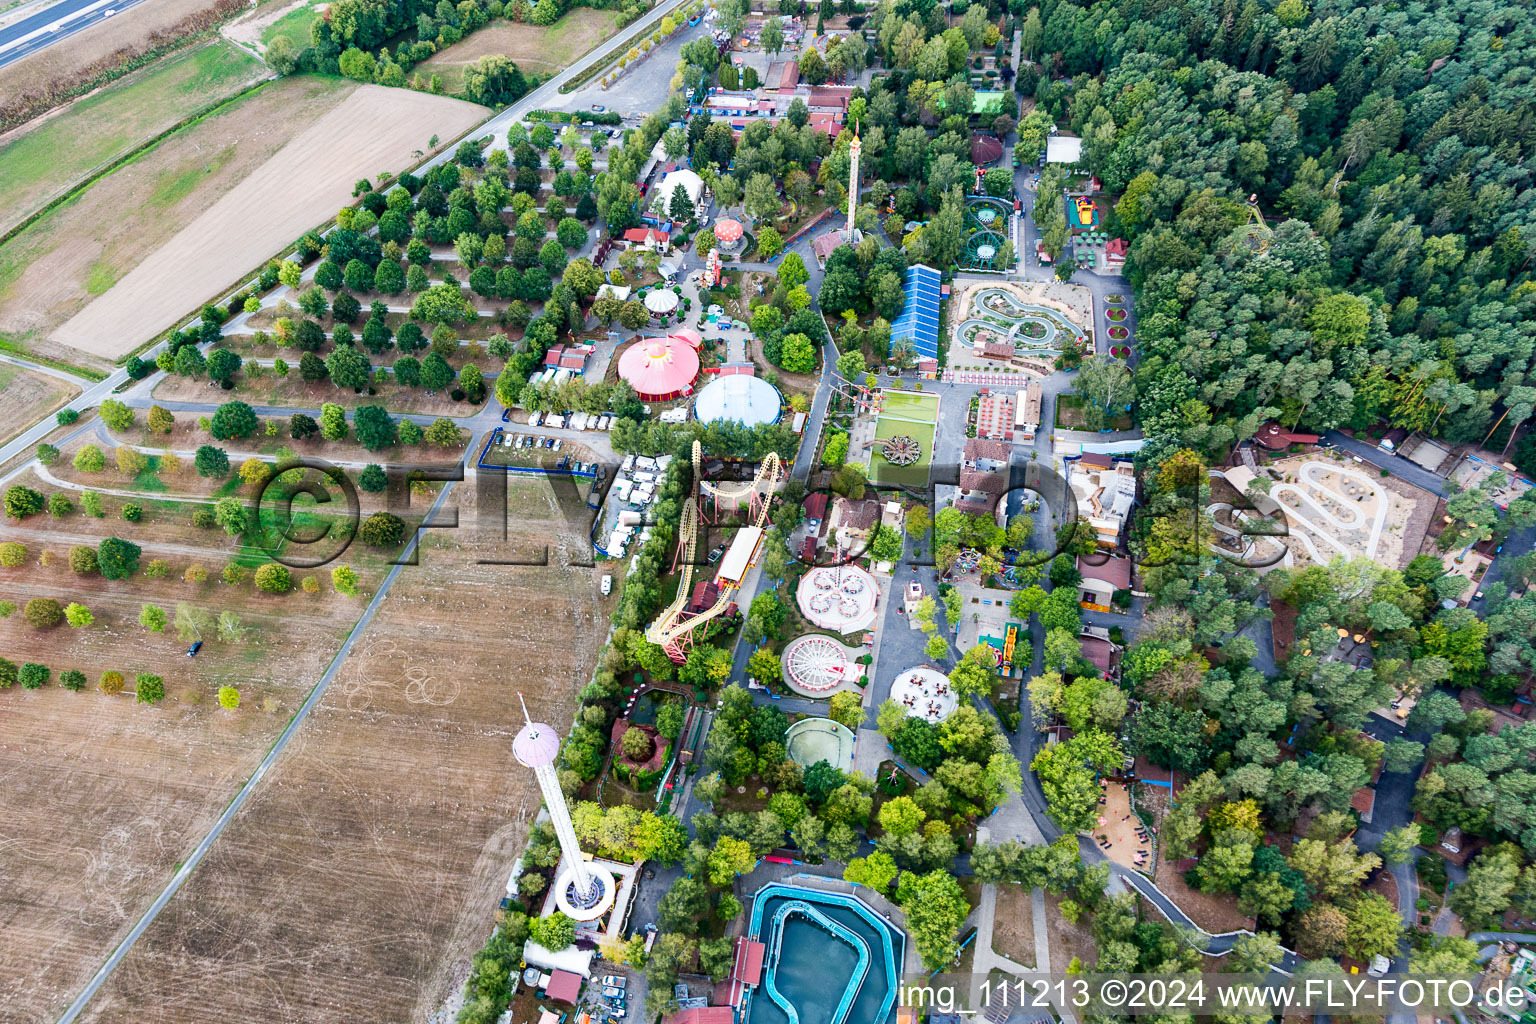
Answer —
103 126
294 25
535 49
915 475
908 405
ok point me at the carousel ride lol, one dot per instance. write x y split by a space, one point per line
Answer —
902 450
815 664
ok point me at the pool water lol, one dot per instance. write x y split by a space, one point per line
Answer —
814 967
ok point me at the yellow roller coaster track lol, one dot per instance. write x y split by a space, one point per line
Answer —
674 627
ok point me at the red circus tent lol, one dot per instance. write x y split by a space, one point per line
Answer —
660 368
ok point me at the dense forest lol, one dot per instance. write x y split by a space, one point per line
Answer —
1388 147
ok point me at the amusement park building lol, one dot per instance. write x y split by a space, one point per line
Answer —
740 398
919 319
660 368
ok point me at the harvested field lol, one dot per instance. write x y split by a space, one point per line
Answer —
273 18
370 861
537 50
1013 927
41 80
46 157
373 129
130 787
51 270
29 396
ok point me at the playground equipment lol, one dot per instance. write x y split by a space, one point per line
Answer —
902 450
674 628
839 597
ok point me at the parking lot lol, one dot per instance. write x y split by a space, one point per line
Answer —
603 1007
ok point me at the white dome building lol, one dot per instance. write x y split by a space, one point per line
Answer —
692 184
738 397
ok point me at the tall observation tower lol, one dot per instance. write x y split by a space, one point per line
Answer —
581 894
854 149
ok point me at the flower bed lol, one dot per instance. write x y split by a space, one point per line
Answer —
1120 351
1119 333
1115 314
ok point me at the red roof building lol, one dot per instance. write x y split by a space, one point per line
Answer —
1274 437
1104 654
552 356
749 961
830 98
563 987
1113 570
789 77
571 359
1115 250
651 237
705 594
815 506
979 449
703 1015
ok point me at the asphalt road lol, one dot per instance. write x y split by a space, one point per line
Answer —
197 855
60 21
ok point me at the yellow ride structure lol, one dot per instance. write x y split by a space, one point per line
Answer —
674 628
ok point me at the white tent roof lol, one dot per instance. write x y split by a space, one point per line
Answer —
750 400
1063 149
691 182
661 301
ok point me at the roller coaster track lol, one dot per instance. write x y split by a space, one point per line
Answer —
673 629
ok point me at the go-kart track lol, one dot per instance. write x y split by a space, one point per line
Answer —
1330 511
1035 329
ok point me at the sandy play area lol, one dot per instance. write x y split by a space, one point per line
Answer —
1116 830
373 129
1338 508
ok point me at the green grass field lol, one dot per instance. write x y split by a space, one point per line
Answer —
102 127
294 25
915 415
915 475
907 405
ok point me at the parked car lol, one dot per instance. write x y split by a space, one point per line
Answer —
615 980
714 556
192 651
607 588
616 994
557 444
598 108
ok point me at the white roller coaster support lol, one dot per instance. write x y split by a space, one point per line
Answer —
673 628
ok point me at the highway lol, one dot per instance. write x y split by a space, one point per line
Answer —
58 21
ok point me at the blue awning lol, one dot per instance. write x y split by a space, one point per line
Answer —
919 319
